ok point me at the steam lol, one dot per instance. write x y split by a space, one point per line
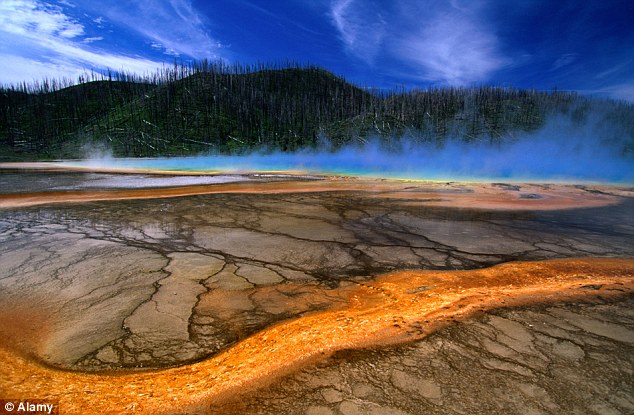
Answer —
97 153
561 151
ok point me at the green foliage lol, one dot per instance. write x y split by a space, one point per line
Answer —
211 107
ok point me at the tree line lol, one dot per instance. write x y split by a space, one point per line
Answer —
214 107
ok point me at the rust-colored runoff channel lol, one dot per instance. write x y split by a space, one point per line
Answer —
395 307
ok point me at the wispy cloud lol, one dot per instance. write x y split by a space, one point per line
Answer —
623 91
284 20
444 42
564 60
32 18
451 48
39 40
175 24
622 68
92 39
361 27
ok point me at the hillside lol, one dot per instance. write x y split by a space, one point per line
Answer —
214 108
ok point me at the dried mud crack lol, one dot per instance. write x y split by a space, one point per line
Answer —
320 296
389 310
573 357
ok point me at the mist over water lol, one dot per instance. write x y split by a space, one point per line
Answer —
561 151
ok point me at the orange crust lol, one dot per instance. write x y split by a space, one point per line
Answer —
480 196
396 307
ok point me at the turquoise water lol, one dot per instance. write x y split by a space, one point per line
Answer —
337 164
520 162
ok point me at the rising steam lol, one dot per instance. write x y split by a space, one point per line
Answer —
561 151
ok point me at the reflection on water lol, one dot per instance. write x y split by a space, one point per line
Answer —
35 182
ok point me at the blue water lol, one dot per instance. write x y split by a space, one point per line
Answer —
522 161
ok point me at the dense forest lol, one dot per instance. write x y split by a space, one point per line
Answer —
212 107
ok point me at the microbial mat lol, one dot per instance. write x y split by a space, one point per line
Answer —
278 292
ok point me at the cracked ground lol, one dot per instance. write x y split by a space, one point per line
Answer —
569 358
155 283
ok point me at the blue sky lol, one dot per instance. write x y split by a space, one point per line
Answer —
587 46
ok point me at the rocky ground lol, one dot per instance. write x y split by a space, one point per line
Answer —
556 359
126 285
162 282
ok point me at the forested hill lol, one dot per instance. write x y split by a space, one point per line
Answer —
214 108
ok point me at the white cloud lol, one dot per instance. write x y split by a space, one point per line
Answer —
38 40
451 48
175 24
564 60
445 42
92 39
32 18
623 91
338 13
361 27
24 69
19 69
66 3
621 68
167 51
